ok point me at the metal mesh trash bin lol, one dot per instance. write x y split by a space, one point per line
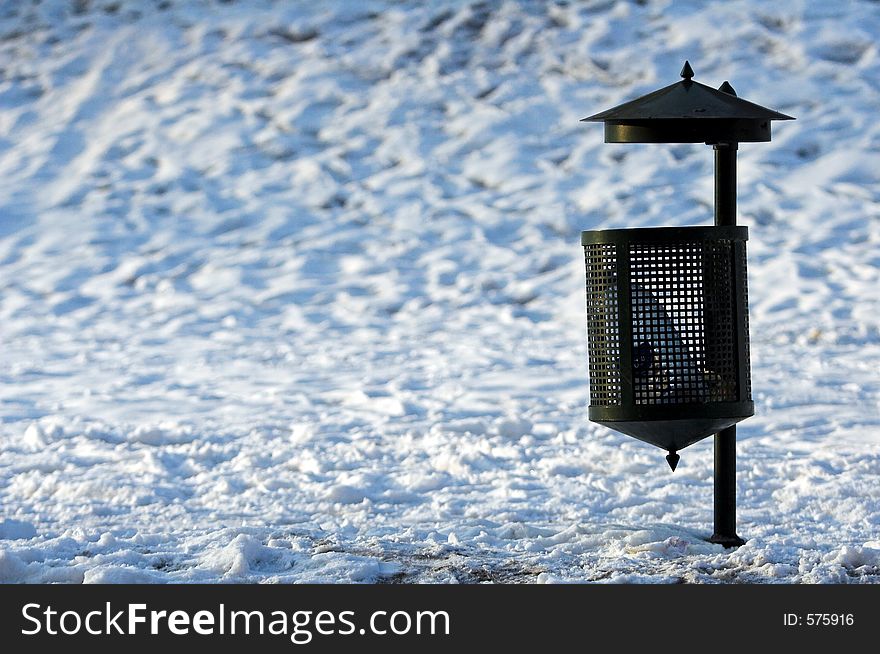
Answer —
667 311
667 327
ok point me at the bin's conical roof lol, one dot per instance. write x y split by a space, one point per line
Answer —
688 112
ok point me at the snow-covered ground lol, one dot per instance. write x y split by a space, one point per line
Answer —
294 292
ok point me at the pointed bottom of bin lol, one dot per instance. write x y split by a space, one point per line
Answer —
672 435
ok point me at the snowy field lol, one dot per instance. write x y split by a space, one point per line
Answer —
294 292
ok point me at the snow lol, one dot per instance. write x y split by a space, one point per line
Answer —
293 292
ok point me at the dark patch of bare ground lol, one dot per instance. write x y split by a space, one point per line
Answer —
465 569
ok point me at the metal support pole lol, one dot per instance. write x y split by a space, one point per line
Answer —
725 184
725 440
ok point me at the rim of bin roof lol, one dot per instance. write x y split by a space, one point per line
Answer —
688 112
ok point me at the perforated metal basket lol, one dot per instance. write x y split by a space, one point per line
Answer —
668 334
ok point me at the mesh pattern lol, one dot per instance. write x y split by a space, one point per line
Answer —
603 324
746 371
684 344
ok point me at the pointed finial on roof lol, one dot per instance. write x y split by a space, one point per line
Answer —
687 72
727 88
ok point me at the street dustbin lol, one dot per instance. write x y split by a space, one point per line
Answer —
667 330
